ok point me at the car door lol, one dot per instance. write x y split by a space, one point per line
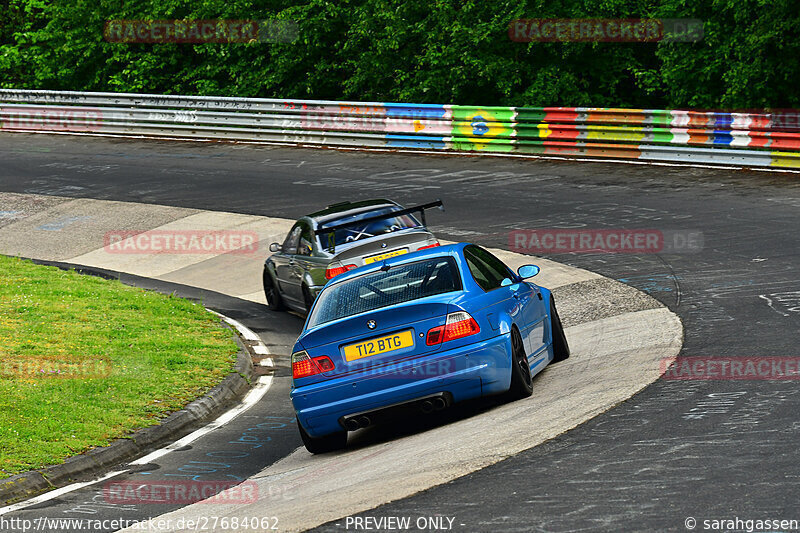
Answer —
285 265
528 295
535 315
528 315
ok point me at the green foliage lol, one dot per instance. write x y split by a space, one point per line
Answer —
427 51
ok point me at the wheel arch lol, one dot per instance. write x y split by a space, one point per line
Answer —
307 281
506 323
269 266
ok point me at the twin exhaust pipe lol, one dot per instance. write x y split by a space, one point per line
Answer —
434 404
427 406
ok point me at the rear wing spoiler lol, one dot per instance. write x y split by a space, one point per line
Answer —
416 209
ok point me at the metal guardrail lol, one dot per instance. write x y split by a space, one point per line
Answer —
742 139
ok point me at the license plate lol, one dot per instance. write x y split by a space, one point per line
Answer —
387 255
379 345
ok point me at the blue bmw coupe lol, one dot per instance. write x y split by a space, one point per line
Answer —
416 333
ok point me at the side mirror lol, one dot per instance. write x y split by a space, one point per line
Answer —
527 271
275 247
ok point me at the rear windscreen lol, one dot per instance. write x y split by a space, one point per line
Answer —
365 230
401 283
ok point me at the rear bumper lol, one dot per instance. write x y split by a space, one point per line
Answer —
465 372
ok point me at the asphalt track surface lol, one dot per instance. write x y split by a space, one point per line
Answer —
717 449
600 315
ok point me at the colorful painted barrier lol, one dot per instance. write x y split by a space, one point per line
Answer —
750 139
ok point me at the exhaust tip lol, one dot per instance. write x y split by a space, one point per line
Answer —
364 421
426 406
439 404
352 424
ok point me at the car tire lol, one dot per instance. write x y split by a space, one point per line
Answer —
560 345
308 300
271 292
328 443
521 379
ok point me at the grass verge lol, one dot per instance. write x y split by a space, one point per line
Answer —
84 361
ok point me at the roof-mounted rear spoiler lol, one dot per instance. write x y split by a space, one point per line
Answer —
416 209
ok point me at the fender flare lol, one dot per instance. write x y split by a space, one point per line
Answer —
307 281
549 302
547 294
505 324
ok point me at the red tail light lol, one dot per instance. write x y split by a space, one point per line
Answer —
304 366
428 246
331 273
459 324
434 336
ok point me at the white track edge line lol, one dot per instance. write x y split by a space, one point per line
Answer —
252 397
246 332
